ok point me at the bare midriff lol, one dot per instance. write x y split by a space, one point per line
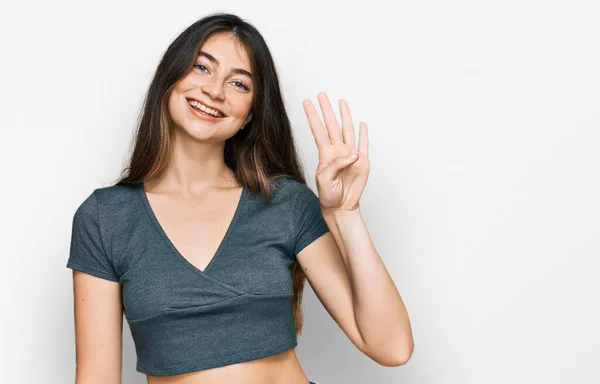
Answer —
281 368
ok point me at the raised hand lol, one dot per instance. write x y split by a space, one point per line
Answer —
340 180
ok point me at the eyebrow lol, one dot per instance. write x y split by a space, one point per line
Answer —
240 71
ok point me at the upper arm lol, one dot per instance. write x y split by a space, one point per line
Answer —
326 273
97 299
98 328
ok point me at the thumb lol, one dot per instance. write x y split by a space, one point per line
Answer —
336 166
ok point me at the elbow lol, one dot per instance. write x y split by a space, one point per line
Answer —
393 357
395 360
404 355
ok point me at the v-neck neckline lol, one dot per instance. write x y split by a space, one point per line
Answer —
170 244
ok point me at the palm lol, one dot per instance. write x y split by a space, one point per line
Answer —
343 188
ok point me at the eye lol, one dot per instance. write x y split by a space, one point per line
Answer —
201 67
241 85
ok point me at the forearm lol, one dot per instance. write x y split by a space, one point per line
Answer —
379 311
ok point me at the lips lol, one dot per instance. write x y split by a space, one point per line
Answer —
207 105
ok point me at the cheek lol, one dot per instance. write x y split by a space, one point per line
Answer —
171 108
241 106
175 101
174 104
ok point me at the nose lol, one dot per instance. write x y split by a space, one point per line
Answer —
214 89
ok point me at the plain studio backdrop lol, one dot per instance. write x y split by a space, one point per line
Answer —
483 196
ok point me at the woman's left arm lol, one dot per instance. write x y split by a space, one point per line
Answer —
344 268
379 311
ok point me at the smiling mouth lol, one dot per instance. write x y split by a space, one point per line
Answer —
204 109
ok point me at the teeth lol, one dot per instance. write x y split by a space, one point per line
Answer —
203 108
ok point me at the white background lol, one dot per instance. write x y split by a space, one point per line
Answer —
483 196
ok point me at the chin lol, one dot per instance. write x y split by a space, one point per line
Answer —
200 130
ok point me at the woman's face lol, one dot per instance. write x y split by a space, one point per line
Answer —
220 80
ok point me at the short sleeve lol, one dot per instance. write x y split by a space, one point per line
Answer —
87 251
310 224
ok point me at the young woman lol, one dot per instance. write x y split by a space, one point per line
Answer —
206 239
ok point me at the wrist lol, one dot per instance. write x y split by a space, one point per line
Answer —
338 214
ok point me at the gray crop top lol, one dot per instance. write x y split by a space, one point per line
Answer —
183 319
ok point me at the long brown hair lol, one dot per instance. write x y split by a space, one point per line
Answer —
258 154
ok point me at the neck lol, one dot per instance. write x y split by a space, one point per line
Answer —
195 166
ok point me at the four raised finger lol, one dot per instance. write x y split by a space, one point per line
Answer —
347 124
315 124
333 129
